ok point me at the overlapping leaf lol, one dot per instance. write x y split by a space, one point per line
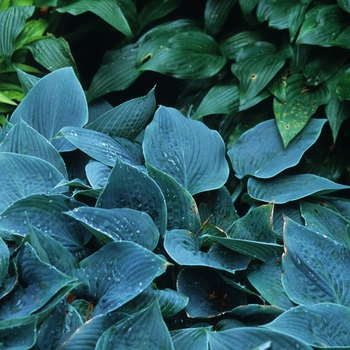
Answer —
186 150
259 151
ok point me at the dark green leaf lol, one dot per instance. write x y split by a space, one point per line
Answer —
23 175
322 325
117 72
27 80
187 55
45 212
286 188
302 102
296 14
256 65
118 224
23 139
323 26
184 248
215 15
118 272
248 8
52 53
326 222
155 9
129 187
142 330
267 280
121 15
259 151
221 99
12 21
342 88
97 145
182 211
208 294
276 13
57 100
186 150
128 119
313 266
344 4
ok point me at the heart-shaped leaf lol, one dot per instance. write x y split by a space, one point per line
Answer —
259 151
128 119
184 248
321 325
301 103
187 55
187 150
23 175
118 272
129 187
117 224
286 188
144 329
62 103
23 139
313 266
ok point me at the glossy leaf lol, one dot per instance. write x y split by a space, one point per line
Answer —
275 13
267 280
344 4
121 15
255 66
97 145
187 55
97 173
45 212
215 15
325 221
122 270
317 262
23 139
129 187
128 119
208 294
117 224
286 188
145 329
221 99
23 175
248 8
182 211
322 25
52 53
184 248
320 325
4 260
259 151
186 150
302 102
12 20
62 103
342 88
117 72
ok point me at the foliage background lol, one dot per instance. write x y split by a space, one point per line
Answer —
174 176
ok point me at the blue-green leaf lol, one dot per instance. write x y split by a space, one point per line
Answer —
57 100
4 260
23 139
186 150
97 173
260 152
143 330
22 175
184 248
314 266
129 187
117 224
323 325
118 272
286 188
